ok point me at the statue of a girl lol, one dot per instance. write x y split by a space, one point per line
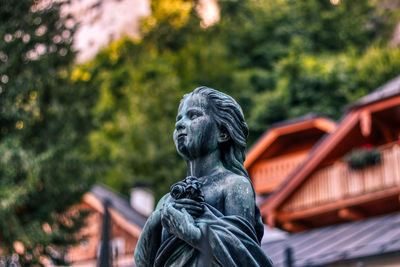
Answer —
210 218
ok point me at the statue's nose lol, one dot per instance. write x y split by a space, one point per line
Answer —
180 125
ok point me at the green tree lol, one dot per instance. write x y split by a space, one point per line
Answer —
297 57
140 84
44 120
279 59
134 117
324 84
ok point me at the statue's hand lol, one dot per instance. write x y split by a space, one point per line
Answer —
194 208
180 224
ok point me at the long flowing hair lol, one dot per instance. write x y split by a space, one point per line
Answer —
229 118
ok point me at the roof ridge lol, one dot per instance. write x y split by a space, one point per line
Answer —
389 89
119 203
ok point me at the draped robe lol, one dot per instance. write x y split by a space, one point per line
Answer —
226 241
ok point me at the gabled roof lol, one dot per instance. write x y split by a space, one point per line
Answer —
311 161
339 243
322 150
390 89
121 212
119 204
291 126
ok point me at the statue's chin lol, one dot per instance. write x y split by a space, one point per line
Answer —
182 151
191 151
187 153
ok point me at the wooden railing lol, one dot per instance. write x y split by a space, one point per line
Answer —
337 181
268 174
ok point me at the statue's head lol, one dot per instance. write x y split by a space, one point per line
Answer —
209 120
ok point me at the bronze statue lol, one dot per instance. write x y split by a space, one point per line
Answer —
210 218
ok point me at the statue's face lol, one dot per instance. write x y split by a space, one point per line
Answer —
195 132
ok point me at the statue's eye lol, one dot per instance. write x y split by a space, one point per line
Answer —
178 118
194 115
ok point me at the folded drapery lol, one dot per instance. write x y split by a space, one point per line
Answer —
226 241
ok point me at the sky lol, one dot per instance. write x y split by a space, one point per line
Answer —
104 21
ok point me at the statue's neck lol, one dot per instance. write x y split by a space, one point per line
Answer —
204 166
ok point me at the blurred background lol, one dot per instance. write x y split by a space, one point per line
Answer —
89 91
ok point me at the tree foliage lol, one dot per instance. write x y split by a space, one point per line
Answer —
134 116
279 59
43 123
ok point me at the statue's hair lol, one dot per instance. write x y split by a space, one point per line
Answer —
229 118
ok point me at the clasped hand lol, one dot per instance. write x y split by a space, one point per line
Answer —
177 219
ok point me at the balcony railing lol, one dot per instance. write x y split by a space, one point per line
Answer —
338 181
268 174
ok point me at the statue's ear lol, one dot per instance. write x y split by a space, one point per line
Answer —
223 136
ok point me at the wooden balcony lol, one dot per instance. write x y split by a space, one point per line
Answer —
338 183
268 174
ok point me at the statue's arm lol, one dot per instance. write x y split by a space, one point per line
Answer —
239 198
150 238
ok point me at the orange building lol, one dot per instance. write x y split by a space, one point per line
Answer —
126 224
282 148
324 190
340 204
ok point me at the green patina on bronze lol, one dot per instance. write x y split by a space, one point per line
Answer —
210 218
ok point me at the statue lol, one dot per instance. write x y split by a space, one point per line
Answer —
210 218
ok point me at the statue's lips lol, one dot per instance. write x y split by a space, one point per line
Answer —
181 140
181 136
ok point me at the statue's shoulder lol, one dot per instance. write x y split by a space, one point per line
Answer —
165 199
238 183
239 197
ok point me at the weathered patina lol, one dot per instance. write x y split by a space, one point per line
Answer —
210 218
